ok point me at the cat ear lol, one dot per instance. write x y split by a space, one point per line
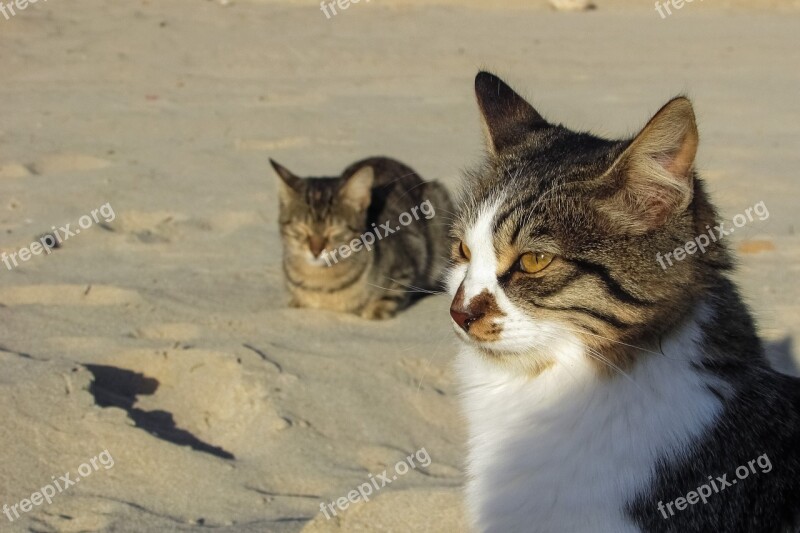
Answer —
357 190
656 171
288 185
507 117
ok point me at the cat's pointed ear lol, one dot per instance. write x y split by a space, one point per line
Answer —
507 117
655 173
357 190
288 185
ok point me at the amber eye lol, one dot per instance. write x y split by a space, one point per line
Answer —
465 253
531 262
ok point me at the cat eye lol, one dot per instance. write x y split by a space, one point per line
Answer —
531 262
465 251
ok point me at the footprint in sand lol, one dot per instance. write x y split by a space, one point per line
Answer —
67 295
60 163
74 515
427 373
377 458
151 226
14 171
398 512
247 145
208 394
230 221
167 226
169 332
429 383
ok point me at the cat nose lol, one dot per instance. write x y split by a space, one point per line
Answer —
316 244
464 320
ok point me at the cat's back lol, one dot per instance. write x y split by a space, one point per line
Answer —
404 207
388 171
398 188
381 164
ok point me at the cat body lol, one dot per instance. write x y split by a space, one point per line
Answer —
600 390
363 242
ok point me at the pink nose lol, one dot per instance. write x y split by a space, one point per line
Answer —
316 244
464 320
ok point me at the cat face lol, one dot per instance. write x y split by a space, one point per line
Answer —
317 215
558 233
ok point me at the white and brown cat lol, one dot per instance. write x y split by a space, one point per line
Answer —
602 391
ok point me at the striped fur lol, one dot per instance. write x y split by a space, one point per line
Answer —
602 385
319 215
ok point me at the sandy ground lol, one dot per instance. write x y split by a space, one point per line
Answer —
171 316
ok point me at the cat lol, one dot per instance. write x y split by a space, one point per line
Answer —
603 393
365 242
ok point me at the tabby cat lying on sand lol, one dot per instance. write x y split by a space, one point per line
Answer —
364 242
603 393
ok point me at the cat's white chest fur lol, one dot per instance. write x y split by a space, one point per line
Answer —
566 451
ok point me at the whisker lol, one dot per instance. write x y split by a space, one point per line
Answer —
431 291
605 338
401 290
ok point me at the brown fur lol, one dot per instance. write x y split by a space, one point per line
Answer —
605 209
318 216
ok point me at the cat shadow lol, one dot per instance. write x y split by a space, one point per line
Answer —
119 387
781 355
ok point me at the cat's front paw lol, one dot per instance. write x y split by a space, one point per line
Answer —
379 310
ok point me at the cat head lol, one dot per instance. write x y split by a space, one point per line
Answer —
558 235
317 215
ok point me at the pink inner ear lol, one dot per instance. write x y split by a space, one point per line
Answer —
666 160
679 162
657 210
655 186
659 193
358 189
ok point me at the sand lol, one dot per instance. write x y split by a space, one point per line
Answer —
161 335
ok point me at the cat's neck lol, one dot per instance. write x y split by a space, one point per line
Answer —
316 277
568 427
